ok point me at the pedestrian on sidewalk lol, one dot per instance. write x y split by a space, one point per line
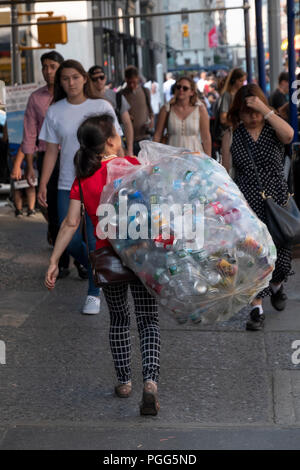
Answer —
100 143
17 174
184 119
153 87
118 102
34 149
72 103
280 98
141 112
256 126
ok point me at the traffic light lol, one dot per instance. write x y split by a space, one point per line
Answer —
51 34
185 30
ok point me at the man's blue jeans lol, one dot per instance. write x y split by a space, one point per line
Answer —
77 248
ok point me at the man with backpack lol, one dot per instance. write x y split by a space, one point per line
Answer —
141 113
118 102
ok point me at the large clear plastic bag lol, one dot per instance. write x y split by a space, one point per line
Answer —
206 259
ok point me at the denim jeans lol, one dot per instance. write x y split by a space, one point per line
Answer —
77 248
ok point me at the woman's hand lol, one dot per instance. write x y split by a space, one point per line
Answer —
51 276
256 104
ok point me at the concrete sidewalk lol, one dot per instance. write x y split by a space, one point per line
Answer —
220 388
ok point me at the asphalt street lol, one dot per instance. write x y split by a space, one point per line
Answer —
221 387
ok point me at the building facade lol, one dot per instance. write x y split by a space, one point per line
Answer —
130 41
114 43
187 34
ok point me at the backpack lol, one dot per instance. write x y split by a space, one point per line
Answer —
119 103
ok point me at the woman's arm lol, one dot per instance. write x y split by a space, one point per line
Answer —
223 119
48 167
160 126
225 150
65 235
284 131
205 131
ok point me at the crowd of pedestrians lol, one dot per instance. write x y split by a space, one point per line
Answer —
78 113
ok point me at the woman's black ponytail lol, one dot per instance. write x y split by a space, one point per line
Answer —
92 136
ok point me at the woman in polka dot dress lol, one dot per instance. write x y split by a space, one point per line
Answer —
254 123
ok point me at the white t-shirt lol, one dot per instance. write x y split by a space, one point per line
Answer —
155 95
60 127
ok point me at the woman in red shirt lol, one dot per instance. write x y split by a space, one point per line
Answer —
99 143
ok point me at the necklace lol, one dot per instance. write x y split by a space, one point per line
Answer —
108 157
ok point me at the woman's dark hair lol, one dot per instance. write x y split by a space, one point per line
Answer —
92 135
239 104
59 92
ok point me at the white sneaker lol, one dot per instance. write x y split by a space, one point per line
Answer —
91 305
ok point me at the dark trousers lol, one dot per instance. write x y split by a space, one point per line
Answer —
53 222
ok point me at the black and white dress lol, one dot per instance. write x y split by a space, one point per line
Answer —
268 154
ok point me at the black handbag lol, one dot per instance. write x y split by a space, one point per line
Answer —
106 265
283 222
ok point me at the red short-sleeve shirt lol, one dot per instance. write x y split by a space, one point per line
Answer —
92 188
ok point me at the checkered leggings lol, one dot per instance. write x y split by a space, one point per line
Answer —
146 312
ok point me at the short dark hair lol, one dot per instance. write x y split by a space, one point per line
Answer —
284 76
95 69
131 72
52 55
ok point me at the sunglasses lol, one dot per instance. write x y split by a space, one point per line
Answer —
185 88
99 77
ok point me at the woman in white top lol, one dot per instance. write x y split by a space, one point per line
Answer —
72 105
185 119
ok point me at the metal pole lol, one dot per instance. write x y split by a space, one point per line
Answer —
29 54
160 81
260 46
274 42
247 42
16 73
292 65
138 34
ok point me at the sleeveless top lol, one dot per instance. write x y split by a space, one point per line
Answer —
185 132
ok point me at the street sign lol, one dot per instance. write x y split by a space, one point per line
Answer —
16 101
